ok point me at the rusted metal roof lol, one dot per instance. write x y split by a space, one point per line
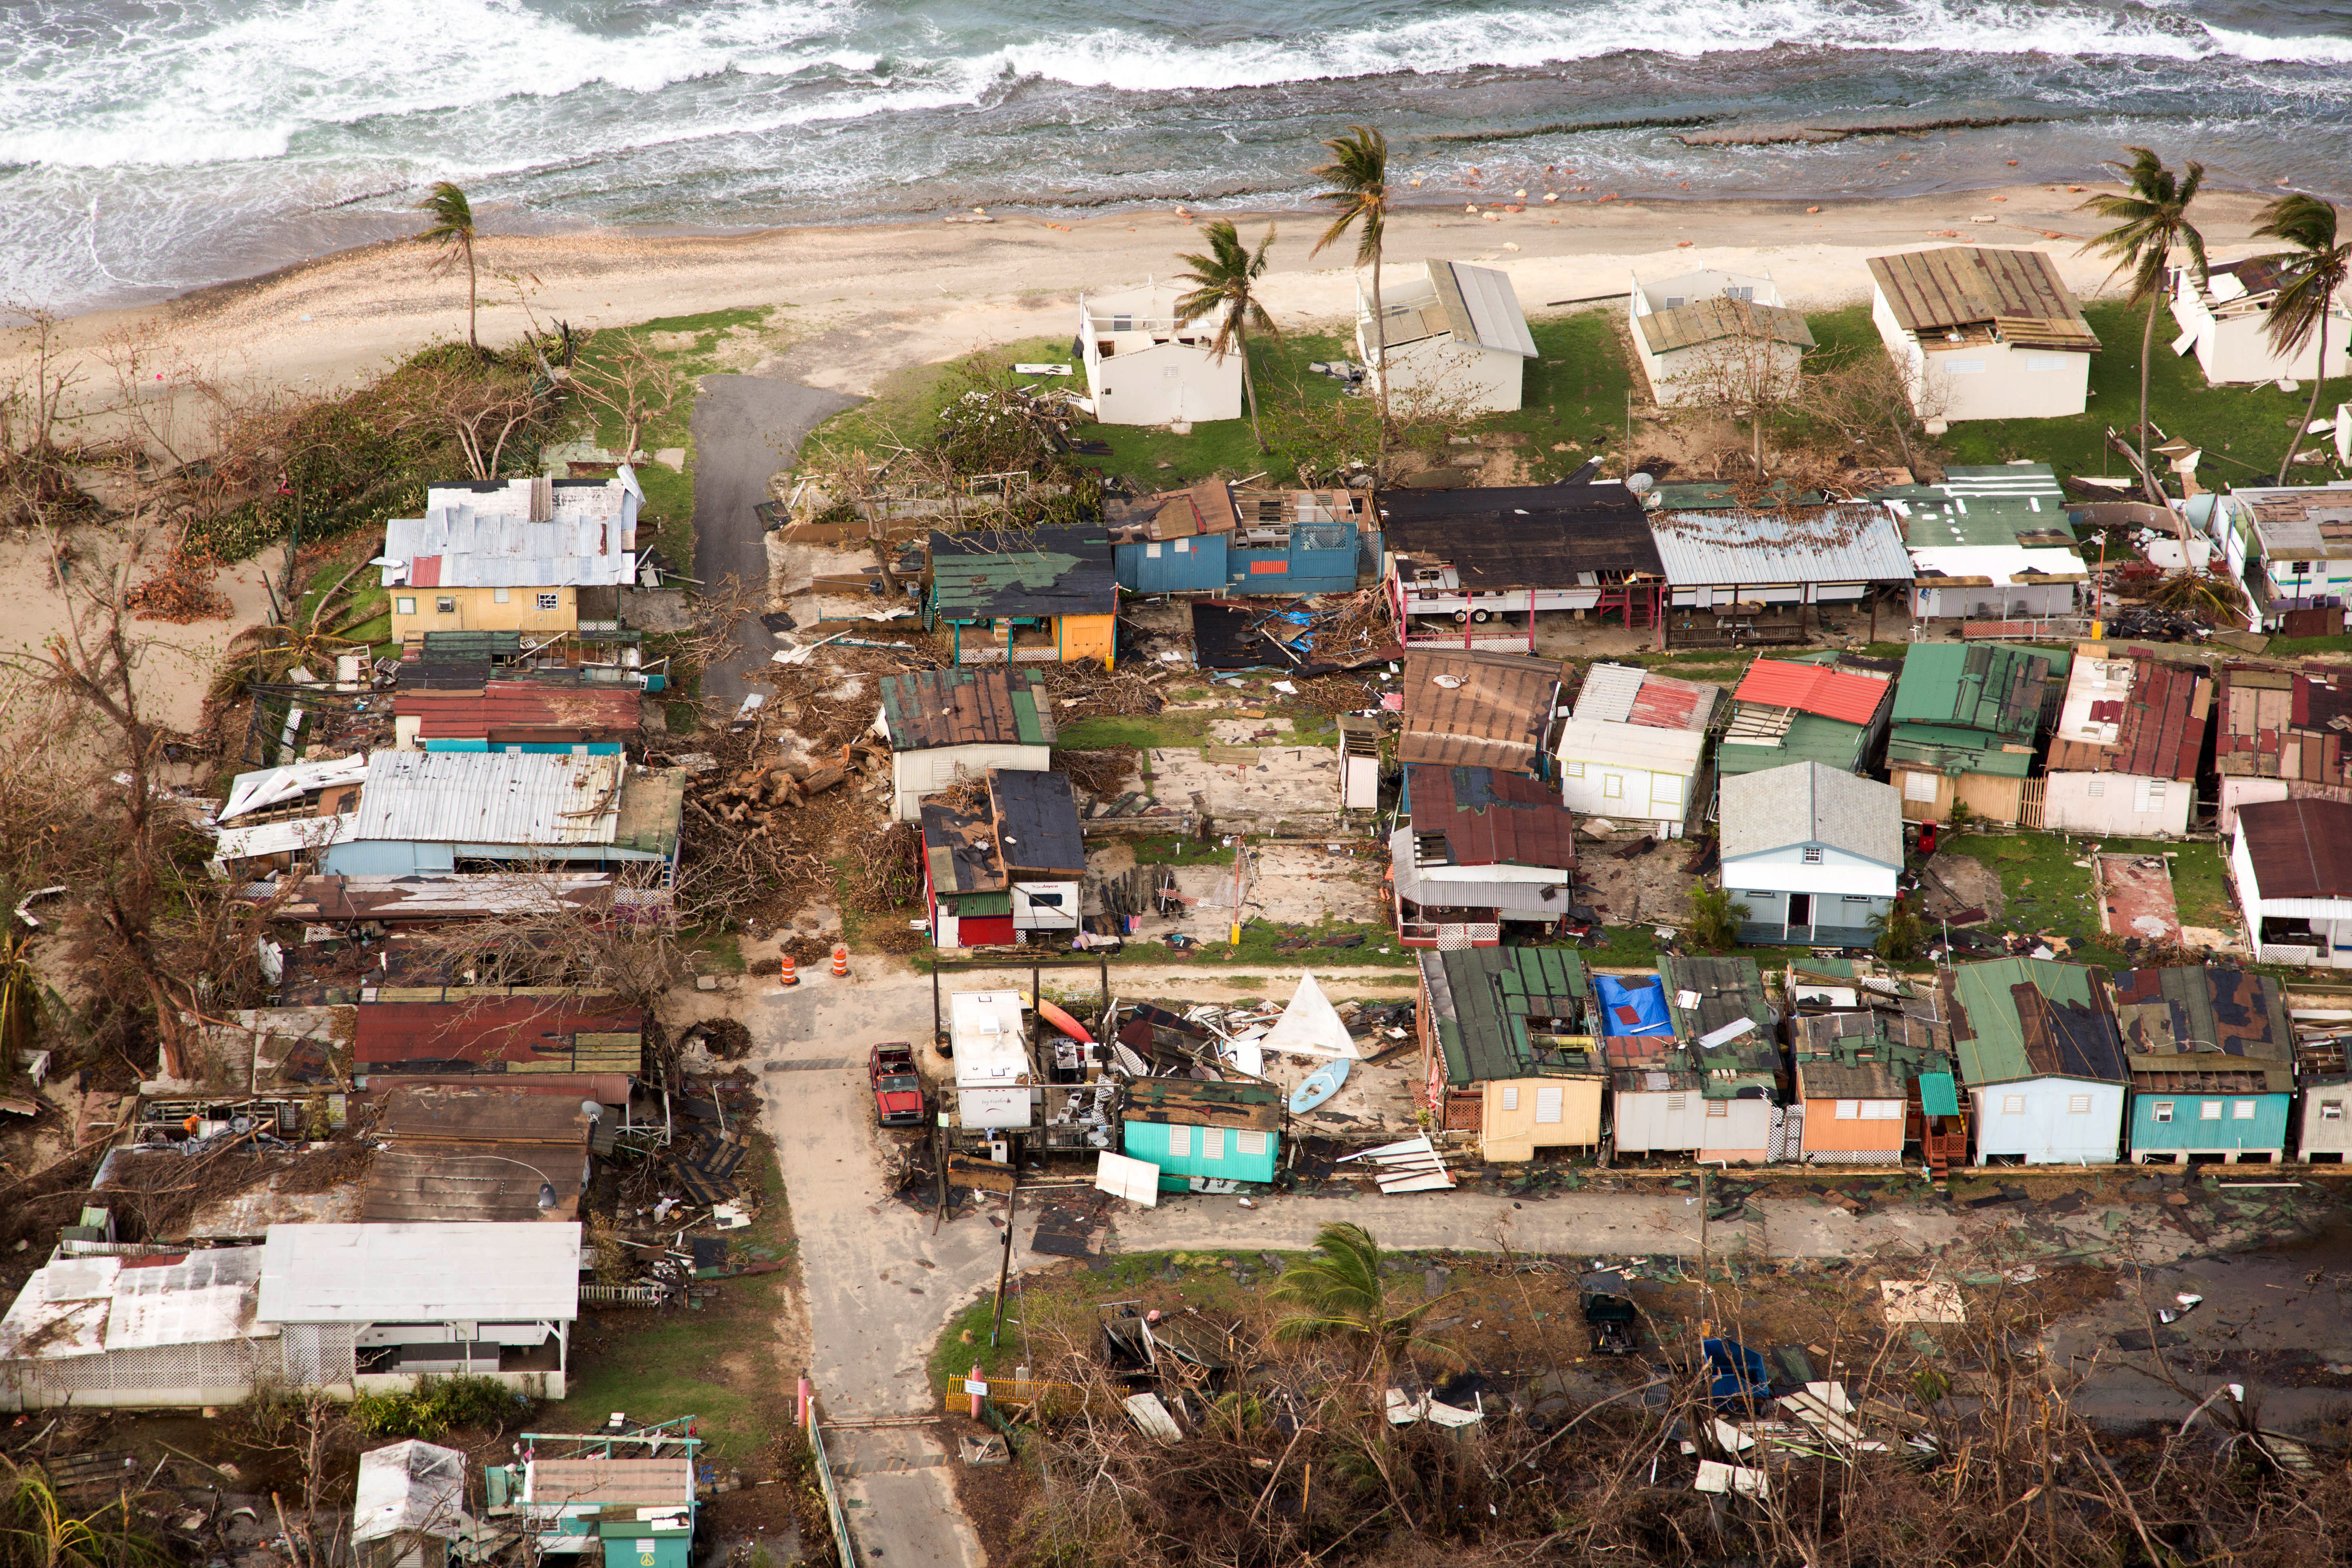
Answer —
934 708
1842 541
522 711
2016 292
2160 730
1480 709
497 1035
1819 1079
1814 688
1711 320
2300 848
1198 1104
2273 724
485 1113
421 1180
448 895
1489 818
2208 1014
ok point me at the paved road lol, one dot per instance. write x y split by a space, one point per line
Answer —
745 428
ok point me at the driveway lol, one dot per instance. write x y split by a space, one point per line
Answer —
745 428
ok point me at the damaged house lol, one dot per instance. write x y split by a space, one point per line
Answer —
1990 543
1146 366
1006 868
1872 1081
1633 751
1966 718
1455 340
1197 1132
1507 1049
1045 596
1704 332
1476 710
537 555
1479 850
2224 319
1218 538
948 725
2292 860
1785 711
2211 1056
1470 568
2123 760
1982 334
2041 1060
2281 735
2294 546
1734 575
1693 1066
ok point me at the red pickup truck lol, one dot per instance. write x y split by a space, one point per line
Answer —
897 1087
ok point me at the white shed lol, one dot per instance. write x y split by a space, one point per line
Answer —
2326 1131
1982 334
994 1075
1632 750
1704 329
2292 860
1144 366
2223 324
1457 337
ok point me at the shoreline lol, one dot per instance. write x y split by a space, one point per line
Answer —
853 303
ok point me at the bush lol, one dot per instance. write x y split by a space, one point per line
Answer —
1715 919
434 1406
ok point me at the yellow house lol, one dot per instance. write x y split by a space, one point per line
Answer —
520 555
1506 1052
1047 596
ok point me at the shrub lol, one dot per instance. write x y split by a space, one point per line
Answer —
1715 919
434 1406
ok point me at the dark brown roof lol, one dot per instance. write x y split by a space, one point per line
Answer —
2161 728
934 708
452 1113
1480 709
425 1181
522 711
2017 292
2300 848
1489 818
1521 536
1210 1104
507 1034
1841 1080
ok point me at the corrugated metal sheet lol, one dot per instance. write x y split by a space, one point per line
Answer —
2299 848
421 1273
521 710
503 1034
964 707
1847 541
1814 688
87 1306
1488 818
1631 746
451 897
1482 307
496 797
476 541
2160 731
1609 692
286 838
1491 715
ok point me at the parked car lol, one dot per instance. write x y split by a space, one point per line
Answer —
897 1087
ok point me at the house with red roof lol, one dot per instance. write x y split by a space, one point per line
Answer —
2124 757
560 720
1787 712
1479 848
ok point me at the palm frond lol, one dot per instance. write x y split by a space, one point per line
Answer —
452 215
1358 175
2318 268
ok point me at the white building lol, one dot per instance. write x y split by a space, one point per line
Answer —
1983 334
994 1077
1144 366
2292 863
2223 323
1632 750
1990 543
1702 331
2327 1136
948 725
2123 760
1813 853
1456 337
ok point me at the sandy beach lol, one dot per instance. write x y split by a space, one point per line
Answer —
857 302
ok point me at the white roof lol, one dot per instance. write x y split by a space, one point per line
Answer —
2003 563
410 1486
1609 691
455 1271
285 838
87 1306
1496 320
1144 303
2090 682
274 786
991 1046
484 539
490 798
1844 542
1812 803
1631 747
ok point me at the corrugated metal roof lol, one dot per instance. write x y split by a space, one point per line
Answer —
1489 818
964 707
521 710
2276 725
2017 1018
1841 694
451 896
87 1306
644 1483
1513 901
498 1033
409 1486
1628 694
470 540
493 797
1809 738
1520 536
1631 746
428 1273
2151 724
2299 848
2300 522
286 838
1806 803
1609 691
1483 709
1846 541
1486 1001
1481 307
1040 573
2210 1014
1987 687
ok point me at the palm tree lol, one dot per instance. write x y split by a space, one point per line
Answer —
1341 1296
1228 276
2317 266
2151 218
1358 176
453 226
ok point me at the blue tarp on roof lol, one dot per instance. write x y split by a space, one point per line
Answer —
1636 1009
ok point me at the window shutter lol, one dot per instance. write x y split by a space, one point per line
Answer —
1548 1103
1248 1143
1180 1139
1212 1143
2078 1105
2013 1105
1847 1109
2210 1110
1510 1097
2241 1111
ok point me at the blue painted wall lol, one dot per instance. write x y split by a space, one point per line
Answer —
1148 1141
1211 565
2266 1129
1159 567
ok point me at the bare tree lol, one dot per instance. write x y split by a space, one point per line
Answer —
1866 395
630 383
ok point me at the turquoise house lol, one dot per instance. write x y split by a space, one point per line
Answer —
1215 537
2211 1056
606 1500
1203 1131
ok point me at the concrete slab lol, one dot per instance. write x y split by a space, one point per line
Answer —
1263 789
2135 897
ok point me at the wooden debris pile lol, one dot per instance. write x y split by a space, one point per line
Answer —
1090 691
1097 774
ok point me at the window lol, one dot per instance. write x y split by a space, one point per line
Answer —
1572 770
1881 1110
1548 1104
1510 1097
500 595
2210 1110
2331 1111
403 605
445 605
1718 1108
2162 1112
1812 856
1848 1109
1152 551
1675 1103
2241 1111
1212 1143
1181 547
1180 1139
1919 787
1964 367
550 601
1246 1143
2013 1105
1613 788
2078 1105
1857 897
1665 790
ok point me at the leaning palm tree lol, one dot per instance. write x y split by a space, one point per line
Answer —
453 230
1358 176
1340 1295
1227 276
2151 218
2317 268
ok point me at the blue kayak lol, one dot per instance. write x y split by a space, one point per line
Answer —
1318 1085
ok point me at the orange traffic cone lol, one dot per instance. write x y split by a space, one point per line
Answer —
841 963
788 977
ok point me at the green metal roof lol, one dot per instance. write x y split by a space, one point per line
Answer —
970 904
1484 998
1809 738
1950 750
1728 989
1938 1094
1038 575
1987 687
2034 1017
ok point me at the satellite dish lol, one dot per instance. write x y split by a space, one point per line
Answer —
592 1110
1640 484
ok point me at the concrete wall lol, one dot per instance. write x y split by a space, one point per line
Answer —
1140 381
1445 370
2005 382
2126 804
480 610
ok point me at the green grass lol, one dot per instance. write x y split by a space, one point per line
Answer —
1259 939
2295 648
716 952
2046 892
1189 728
2244 430
1167 850
718 1364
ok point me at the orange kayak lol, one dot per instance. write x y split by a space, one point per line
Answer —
1064 1022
